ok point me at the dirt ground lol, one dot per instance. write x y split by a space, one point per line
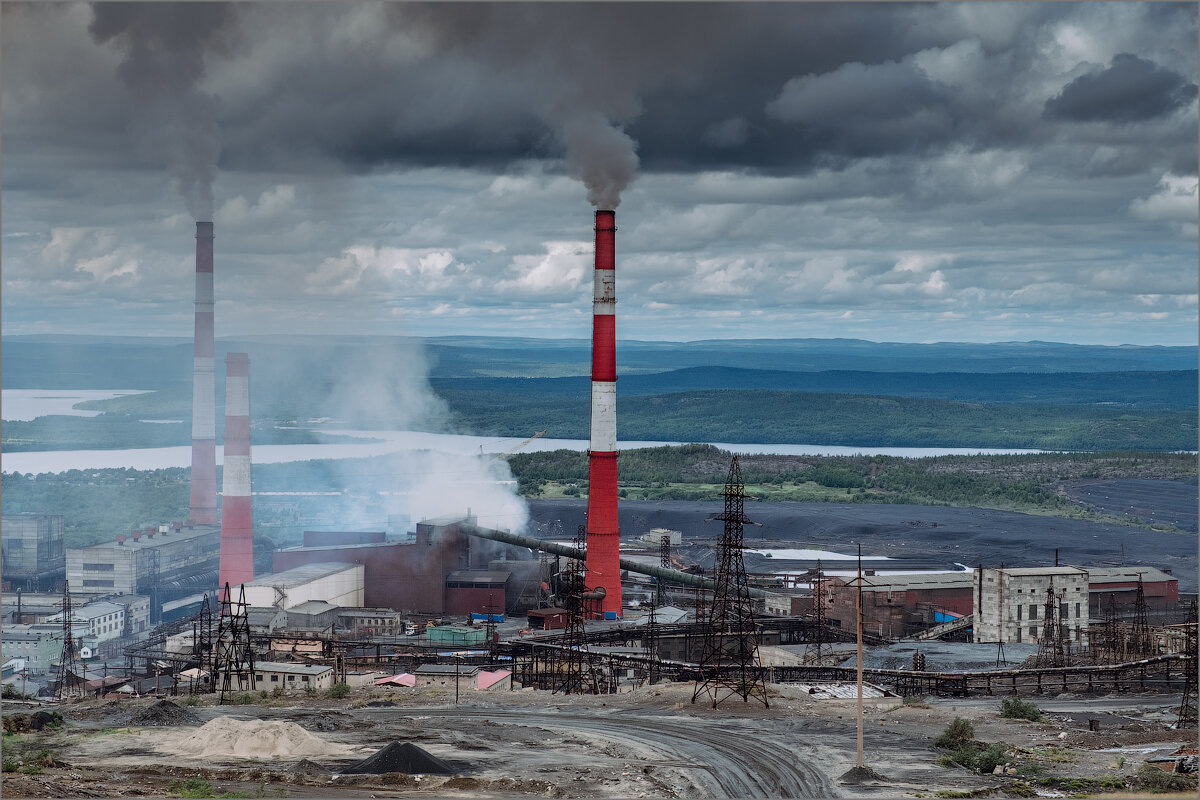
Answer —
652 742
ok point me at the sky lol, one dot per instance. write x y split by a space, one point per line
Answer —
893 172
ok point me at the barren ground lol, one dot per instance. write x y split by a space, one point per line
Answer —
652 742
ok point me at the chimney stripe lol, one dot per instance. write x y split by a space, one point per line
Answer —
237 513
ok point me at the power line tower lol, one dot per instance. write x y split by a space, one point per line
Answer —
729 663
1140 641
67 665
573 666
650 643
1050 645
202 641
664 561
234 656
1187 705
816 649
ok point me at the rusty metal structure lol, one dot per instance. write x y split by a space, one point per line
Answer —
729 662
664 561
1054 645
571 663
819 647
234 659
1187 717
1141 643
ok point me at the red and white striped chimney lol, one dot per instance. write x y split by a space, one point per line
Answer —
603 534
203 507
237 517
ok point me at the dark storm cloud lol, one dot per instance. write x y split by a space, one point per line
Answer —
1131 89
164 48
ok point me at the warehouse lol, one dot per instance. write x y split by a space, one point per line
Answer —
336 583
899 605
32 551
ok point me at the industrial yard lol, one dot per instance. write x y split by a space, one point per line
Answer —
645 743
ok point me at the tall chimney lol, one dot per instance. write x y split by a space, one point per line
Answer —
237 518
203 507
603 534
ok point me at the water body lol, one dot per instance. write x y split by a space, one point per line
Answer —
379 443
23 405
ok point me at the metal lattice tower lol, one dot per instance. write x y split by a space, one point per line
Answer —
729 663
1140 641
1187 717
650 643
67 666
816 649
573 668
1050 645
234 656
664 561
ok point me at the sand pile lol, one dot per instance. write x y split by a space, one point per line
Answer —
225 736
163 712
406 758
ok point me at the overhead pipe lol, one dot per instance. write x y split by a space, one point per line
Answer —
672 575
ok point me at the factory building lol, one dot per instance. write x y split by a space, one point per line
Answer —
416 576
104 620
1159 589
38 648
26 607
162 563
271 674
31 551
1010 604
363 623
337 583
901 604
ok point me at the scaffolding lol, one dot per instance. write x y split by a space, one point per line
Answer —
729 662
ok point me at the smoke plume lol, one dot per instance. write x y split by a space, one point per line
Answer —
164 46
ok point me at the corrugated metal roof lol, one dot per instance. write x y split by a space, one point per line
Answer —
295 669
1123 574
843 691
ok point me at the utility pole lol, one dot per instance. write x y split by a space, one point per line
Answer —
457 661
859 614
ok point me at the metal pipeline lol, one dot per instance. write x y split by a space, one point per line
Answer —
674 576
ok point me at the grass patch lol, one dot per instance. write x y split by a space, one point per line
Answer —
1081 785
1156 781
338 690
1016 708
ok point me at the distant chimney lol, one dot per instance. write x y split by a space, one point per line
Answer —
603 532
203 507
237 516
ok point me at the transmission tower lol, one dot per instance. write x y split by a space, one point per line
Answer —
234 656
1140 641
66 663
816 649
1050 646
729 662
1187 705
572 668
664 561
650 643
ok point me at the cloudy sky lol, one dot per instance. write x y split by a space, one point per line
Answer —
952 172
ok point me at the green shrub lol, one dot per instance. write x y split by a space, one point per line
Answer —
338 690
992 757
310 690
243 699
1016 708
192 787
9 764
957 733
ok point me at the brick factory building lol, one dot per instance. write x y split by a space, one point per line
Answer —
899 605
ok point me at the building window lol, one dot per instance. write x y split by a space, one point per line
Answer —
304 678
99 584
274 679
1064 611
291 677
1077 610
1033 631
1033 610
98 567
258 677
1018 614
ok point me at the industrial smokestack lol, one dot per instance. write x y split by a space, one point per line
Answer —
603 534
237 518
203 507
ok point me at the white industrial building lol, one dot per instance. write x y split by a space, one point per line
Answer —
336 583
1010 604
137 562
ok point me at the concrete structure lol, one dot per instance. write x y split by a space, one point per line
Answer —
203 505
137 612
31 551
39 648
603 531
901 604
655 537
362 623
142 563
1010 603
29 607
104 620
237 514
270 674
312 615
337 583
265 621
446 675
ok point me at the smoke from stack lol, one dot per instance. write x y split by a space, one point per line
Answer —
202 509
603 533
237 517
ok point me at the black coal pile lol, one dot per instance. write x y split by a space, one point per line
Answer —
163 712
306 767
398 757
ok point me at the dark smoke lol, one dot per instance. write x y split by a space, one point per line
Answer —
165 46
583 67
